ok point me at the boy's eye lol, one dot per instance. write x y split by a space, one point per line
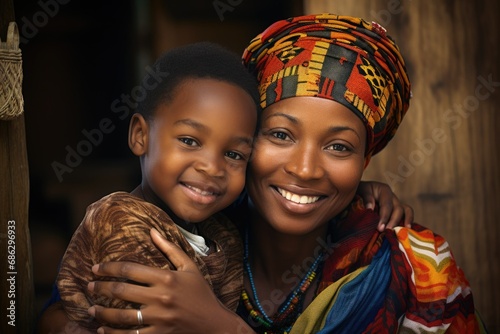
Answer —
188 141
234 155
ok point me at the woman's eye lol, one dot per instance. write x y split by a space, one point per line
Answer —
188 141
280 135
338 147
234 156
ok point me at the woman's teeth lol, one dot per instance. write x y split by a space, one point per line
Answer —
300 199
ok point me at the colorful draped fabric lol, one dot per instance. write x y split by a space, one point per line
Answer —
341 58
401 281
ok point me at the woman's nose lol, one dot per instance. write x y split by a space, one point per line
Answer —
305 163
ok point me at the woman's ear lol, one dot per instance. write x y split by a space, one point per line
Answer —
138 135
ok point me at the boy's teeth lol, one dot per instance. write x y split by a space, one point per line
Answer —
297 198
199 191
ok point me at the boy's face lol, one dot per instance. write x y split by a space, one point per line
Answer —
198 147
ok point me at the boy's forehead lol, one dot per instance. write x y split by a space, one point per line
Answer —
205 91
204 103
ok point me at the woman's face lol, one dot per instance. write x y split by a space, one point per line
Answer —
307 163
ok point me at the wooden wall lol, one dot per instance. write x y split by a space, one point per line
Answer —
444 159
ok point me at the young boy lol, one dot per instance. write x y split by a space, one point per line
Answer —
193 133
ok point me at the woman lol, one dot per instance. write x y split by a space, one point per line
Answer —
334 90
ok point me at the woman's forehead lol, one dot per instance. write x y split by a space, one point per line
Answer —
313 111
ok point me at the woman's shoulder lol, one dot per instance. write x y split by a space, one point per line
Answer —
431 260
421 238
436 278
422 245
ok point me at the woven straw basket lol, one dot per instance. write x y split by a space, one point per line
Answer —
11 75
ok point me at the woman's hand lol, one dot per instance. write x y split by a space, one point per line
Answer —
392 212
174 301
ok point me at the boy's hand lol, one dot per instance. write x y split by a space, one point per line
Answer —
392 212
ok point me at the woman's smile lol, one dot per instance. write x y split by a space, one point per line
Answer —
297 203
296 198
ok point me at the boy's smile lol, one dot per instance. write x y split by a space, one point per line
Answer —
196 147
201 193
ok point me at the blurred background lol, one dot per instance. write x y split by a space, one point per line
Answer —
83 62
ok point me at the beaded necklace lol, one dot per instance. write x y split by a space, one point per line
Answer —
291 308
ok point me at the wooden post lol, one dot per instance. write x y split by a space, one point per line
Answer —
17 281
444 159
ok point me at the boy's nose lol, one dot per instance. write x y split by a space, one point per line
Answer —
211 164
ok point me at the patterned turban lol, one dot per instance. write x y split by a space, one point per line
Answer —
340 58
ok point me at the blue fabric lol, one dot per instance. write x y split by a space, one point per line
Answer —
54 298
361 298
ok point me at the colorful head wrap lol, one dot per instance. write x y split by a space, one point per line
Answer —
341 58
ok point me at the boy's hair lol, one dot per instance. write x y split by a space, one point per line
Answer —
198 60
